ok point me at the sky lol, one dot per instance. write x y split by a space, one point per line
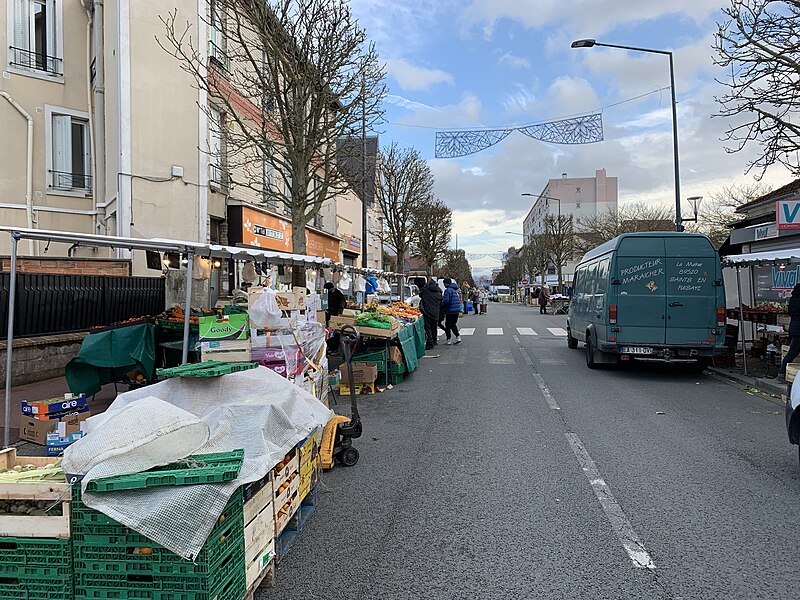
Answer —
461 64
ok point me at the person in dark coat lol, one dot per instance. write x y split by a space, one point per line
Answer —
452 305
543 298
336 302
794 330
430 303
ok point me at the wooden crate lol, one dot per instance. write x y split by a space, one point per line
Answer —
49 491
258 533
257 503
288 471
791 371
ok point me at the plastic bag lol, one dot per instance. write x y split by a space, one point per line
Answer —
264 311
345 282
359 284
383 286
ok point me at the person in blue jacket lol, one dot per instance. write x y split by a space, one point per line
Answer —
452 305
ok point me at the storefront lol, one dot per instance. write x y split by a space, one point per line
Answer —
351 250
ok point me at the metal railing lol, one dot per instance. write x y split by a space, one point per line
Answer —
62 180
217 55
30 59
219 176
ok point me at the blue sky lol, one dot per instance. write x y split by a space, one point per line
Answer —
498 63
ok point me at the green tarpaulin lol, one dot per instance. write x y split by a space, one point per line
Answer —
407 338
419 330
106 356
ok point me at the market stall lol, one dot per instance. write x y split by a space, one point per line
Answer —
771 276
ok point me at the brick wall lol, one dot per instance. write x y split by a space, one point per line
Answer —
68 266
40 358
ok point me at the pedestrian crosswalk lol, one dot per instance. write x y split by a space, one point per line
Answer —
528 331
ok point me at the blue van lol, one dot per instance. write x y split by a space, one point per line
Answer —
649 296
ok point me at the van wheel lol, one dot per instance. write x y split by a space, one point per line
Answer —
572 342
590 353
699 366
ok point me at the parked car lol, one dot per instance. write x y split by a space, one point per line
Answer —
410 290
649 296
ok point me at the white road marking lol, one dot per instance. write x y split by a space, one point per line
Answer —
552 361
501 357
551 402
526 331
616 516
526 356
494 331
451 356
557 331
467 331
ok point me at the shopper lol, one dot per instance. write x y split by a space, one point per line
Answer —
430 304
452 304
794 330
336 302
370 286
476 301
484 300
464 295
544 296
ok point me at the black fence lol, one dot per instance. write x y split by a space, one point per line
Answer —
48 304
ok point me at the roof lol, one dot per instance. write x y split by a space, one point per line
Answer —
766 257
612 244
790 188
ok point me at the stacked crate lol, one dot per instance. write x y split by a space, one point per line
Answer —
112 561
286 500
259 530
35 549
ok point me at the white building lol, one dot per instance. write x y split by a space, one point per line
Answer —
576 196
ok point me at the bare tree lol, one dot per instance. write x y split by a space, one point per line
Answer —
456 266
536 256
289 78
757 46
715 216
559 238
595 229
405 182
432 225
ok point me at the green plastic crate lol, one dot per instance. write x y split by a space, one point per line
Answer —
216 468
22 589
209 368
395 378
35 568
15 551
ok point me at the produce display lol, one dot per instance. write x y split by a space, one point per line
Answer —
22 474
175 314
767 307
375 319
400 310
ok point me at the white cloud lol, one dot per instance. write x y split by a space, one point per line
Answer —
515 62
406 103
412 77
467 113
519 102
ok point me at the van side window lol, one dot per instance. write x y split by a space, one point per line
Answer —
602 284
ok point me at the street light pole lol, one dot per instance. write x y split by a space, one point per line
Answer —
589 43
546 198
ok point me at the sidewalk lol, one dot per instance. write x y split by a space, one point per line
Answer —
769 385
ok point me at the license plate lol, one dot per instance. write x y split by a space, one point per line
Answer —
636 350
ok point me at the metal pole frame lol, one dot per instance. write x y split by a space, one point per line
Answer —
741 319
678 219
12 292
188 309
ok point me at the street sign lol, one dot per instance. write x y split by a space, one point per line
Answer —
788 214
524 282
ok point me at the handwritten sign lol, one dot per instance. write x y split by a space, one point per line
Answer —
689 275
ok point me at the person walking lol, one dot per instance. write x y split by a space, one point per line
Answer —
476 301
794 331
430 303
336 302
452 305
484 300
544 296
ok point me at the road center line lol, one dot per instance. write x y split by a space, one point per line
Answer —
551 402
526 356
516 339
616 516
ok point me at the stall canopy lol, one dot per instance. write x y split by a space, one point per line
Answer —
765 258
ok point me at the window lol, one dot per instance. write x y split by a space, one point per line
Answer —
69 156
269 186
216 148
35 35
217 40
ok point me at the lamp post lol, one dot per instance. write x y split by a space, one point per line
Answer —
546 198
695 202
589 43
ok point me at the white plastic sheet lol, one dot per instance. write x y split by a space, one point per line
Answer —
257 410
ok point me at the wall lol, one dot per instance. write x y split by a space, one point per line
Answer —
40 358
72 266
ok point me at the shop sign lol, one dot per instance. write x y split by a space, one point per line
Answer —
766 232
351 244
788 214
272 233
774 283
266 232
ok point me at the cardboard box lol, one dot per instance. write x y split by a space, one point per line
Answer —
55 405
341 320
361 389
36 430
294 300
396 355
289 354
60 415
380 333
280 368
226 351
56 443
362 373
232 327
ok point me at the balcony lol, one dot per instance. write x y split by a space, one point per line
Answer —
71 182
31 60
219 178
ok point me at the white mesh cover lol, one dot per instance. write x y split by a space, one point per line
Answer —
257 410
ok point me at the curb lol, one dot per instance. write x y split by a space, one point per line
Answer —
769 386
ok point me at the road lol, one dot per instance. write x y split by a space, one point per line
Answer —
504 468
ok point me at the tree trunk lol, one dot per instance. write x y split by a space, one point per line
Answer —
298 247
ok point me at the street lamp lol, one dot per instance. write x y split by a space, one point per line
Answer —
546 198
589 43
695 202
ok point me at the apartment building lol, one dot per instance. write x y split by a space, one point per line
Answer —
575 196
104 132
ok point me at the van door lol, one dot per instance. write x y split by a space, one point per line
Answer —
639 291
692 268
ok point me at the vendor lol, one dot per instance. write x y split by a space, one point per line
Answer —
794 330
336 302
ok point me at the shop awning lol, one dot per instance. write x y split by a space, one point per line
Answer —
763 258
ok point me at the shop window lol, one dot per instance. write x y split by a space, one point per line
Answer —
34 33
69 158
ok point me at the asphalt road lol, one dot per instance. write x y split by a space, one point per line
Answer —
504 468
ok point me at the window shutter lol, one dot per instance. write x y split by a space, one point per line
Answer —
22 31
62 152
52 63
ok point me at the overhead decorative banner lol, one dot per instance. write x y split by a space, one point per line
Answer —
586 129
